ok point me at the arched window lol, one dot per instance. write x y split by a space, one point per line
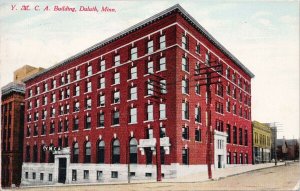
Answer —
75 152
42 153
51 155
116 151
27 153
100 151
133 150
35 153
87 152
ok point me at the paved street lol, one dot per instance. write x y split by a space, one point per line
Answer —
275 178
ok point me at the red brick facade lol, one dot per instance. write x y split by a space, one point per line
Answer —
173 24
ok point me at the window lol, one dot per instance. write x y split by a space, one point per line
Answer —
133 115
185 86
117 97
50 177
88 87
185 133
163 86
228 128
150 46
246 137
117 60
53 98
185 157
76 106
67 109
52 128
43 132
234 93
36 116
241 136
77 90
88 122
198 114
234 158
101 119
30 93
162 131
102 83
35 153
228 106
185 64
33 175
162 111
197 88
241 158
162 41
86 174
149 112
198 48
133 151
37 90
116 79
207 58
197 134
116 118
234 135
66 141
219 107
27 159
150 69
133 93
61 110
45 100
88 103
133 73
89 71
116 151
184 41
45 87
99 175
219 90
62 80
102 65
53 83
51 155
61 94
60 142
162 63
133 53
228 157
68 79
75 152
246 158
185 110
26 175
114 174
87 152
75 124
219 125
67 93
149 133
100 152
102 100
77 75
74 175
41 176
150 87
52 112
234 109
228 89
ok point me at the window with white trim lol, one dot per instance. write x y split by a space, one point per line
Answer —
133 72
162 63
133 53
150 46
133 115
77 75
102 65
117 78
117 60
133 93
149 112
162 111
162 41
102 83
150 69
102 100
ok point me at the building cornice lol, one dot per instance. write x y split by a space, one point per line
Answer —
13 87
143 24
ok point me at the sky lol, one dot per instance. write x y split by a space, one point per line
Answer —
263 35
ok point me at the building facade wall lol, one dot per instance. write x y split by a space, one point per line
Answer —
12 124
182 150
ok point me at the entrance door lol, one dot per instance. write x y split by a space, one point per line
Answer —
62 170
219 161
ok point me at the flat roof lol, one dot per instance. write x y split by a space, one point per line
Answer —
142 24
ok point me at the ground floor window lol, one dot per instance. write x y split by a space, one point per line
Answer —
86 174
50 177
41 176
185 156
246 158
99 175
241 158
148 174
234 158
228 158
114 174
26 175
33 175
148 153
74 175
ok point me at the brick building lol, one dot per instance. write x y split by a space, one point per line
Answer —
106 105
12 126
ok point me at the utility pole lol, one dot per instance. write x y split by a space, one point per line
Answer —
208 72
157 88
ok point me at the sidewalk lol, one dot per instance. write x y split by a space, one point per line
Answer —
223 172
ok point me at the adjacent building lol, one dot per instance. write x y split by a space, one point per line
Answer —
134 99
262 142
12 127
287 149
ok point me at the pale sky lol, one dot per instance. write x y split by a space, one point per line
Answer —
263 35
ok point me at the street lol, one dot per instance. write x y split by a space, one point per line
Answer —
275 178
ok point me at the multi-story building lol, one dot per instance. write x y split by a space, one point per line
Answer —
262 142
12 127
106 106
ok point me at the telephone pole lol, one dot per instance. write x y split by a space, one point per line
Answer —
210 73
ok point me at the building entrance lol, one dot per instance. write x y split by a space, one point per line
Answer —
62 170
